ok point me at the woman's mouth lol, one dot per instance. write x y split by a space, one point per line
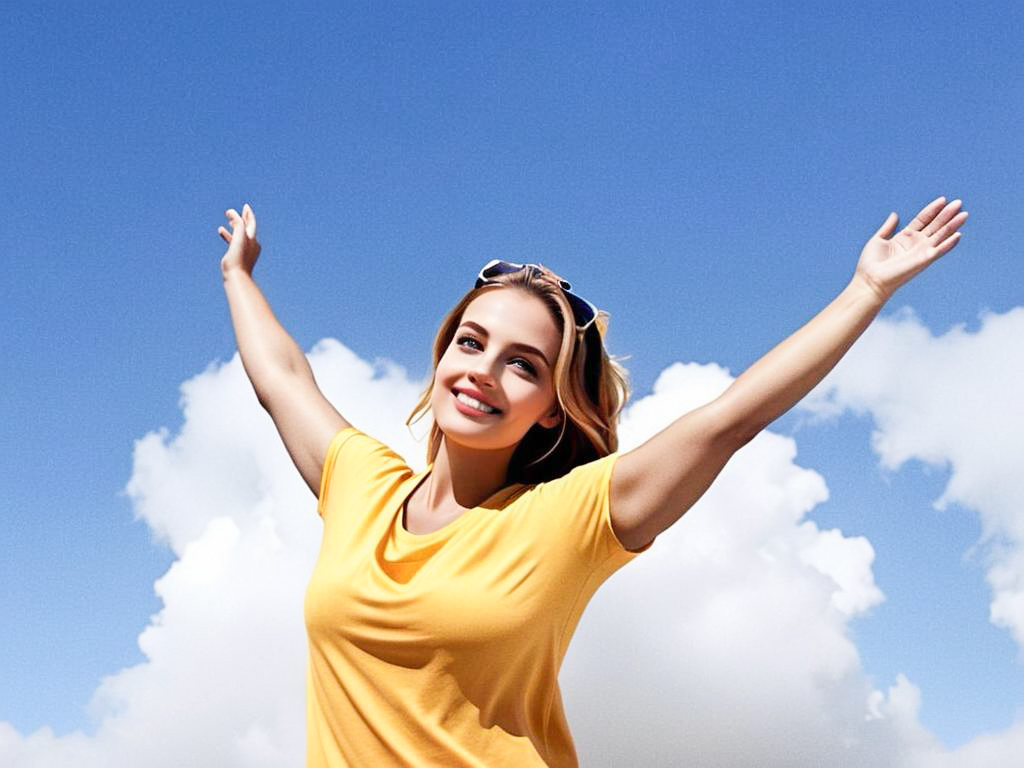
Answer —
473 405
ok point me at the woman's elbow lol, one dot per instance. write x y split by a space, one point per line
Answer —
734 426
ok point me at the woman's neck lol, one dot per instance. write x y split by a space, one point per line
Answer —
465 477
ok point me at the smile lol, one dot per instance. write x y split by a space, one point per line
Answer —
470 402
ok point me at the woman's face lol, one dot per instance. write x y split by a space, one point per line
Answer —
494 382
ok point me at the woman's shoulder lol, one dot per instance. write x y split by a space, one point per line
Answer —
352 441
573 512
356 460
586 484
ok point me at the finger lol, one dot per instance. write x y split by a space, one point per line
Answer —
250 220
950 229
225 235
952 226
927 214
947 213
889 226
945 246
233 217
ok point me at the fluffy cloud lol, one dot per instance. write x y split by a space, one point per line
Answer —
726 644
223 681
954 401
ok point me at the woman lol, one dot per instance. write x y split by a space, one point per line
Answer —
443 601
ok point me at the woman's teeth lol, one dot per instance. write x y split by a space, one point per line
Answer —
474 403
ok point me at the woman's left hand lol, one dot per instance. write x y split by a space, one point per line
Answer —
888 262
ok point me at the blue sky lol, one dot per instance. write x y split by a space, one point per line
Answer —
706 172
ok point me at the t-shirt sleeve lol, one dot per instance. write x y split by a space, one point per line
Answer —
357 465
577 509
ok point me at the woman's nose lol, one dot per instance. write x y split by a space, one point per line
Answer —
481 375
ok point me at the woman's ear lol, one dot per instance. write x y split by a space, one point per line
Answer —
553 419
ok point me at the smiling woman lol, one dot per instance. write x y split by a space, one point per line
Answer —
443 602
497 343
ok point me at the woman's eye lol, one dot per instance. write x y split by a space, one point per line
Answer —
463 340
525 366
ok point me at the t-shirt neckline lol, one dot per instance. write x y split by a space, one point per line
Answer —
418 479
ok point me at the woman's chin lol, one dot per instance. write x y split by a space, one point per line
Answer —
474 435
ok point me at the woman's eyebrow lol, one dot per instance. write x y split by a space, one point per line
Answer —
516 345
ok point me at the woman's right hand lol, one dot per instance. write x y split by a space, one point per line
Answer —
243 247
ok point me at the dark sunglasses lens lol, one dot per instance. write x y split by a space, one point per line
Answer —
495 269
501 268
582 311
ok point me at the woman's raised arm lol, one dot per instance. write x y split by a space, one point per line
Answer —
654 484
276 366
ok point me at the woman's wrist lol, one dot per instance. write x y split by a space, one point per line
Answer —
863 287
234 271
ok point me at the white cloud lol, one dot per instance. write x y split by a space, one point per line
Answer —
224 676
954 401
726 644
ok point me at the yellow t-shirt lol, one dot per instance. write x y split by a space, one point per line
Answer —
443 649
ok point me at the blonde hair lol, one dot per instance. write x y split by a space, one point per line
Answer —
590 385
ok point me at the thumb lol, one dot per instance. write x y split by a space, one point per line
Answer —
889 226
250 220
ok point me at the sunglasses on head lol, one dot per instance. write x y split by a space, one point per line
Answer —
584 313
